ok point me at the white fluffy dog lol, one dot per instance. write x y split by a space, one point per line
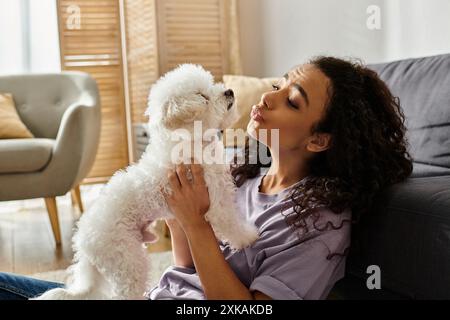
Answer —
110 260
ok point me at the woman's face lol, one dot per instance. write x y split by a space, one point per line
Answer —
294 105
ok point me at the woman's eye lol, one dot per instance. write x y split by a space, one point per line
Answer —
292 104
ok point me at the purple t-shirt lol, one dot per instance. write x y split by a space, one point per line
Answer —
279 264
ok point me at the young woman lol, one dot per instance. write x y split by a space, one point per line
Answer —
341 141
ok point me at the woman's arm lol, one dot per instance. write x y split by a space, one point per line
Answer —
189 202
218 279
180 246
183 258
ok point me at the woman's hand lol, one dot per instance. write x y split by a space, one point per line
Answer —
197 246
189 200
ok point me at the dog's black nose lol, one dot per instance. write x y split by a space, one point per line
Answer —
229 93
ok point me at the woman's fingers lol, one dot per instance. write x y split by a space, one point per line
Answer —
174 182
185 175
197 173
182 174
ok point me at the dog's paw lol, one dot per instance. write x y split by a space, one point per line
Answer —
64 294
55 294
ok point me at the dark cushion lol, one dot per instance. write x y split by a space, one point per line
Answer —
408 238
353 288
423 86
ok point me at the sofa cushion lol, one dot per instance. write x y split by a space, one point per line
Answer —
24 155
427 170
11 126
423 86
408 238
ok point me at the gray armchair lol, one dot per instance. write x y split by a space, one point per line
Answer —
63 112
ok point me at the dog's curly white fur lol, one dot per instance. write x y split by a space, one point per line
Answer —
110 261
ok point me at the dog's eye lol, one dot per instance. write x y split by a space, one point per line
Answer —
205 97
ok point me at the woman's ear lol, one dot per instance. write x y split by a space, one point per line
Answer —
318 142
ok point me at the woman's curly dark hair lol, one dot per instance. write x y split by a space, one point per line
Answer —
368 150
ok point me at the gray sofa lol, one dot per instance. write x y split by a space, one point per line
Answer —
409 237
62 110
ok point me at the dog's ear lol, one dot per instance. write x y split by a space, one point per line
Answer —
178 112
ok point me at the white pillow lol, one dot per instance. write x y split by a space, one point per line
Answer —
248 92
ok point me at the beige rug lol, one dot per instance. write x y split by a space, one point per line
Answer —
159 261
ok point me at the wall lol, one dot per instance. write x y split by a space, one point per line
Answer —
416 28
278 34
12 58
28 36
44 40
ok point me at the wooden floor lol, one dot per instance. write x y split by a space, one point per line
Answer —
27 245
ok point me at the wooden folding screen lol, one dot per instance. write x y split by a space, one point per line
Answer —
126 45
141 53
193 31
90 41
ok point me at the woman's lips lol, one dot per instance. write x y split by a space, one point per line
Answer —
256 115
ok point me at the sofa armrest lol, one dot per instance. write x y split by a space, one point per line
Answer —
76 142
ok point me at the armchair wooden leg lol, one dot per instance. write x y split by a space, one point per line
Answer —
76 197
52 210
72 198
